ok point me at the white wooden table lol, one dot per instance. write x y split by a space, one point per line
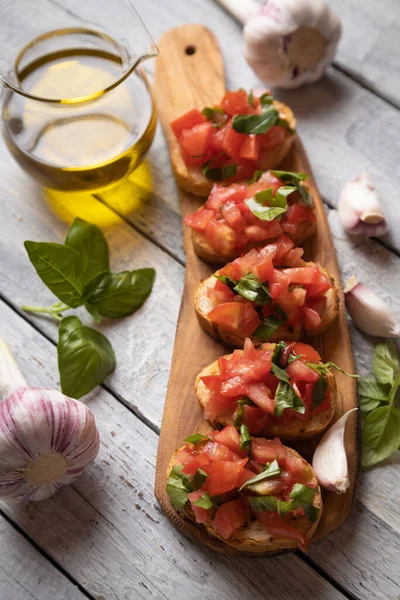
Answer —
104 538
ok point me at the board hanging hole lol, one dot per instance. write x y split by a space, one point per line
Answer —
190 50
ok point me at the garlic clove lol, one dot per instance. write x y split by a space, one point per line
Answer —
330 460
359 208
11 377
370 313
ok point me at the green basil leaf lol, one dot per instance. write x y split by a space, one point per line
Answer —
251 288
263 503
280 373
178 488
267 207
311 512
267 328
271 470
256 177
319 391
293 357
89 241
283 123
265 213
85 357
295 180
210 112
385 363
266 100
281 195
240 411
245 438
204 502
280 312
60 268
120 294
231 283
323 369
286 397
368 404
256 124
250 98
198 479
196 438
372 389
380 435
279 347
218 173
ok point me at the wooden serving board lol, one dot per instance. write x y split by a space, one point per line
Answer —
190 74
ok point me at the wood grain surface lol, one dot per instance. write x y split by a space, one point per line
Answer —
180 78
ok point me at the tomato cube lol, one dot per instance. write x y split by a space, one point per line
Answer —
273 137
308 353
201 514
264 451
233 142
187 121
259 394
250 149
230 517
223 476
231 214
236 103
229 437
195 141
228 314
200 219
221 237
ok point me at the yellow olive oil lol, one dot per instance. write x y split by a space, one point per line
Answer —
80 146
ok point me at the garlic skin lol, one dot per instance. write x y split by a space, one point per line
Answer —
359 208
46 441
330 460
369 312
287 42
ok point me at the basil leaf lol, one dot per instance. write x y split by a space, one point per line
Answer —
372 389
323 369
280 373
271 470
250 98
120 294
319 391
218 173
245 438
251 288
85 357
385 363
286 397
240 411
277 352
210 112
231 283
204 502
89 241
60 268
196 438
280 312
256 124
282 193
266 99
380 435
293 357
256 177
268 327
267 207
178 488
198 479
263 503
295 179
368 404
265 213
311 512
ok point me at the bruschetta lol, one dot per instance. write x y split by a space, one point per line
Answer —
230 142
254 494
256 296
281 390
243 216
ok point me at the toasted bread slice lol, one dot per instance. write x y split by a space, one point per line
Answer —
297 430
192 179
254 537
204 251
204 305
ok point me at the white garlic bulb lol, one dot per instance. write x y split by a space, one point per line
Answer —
46 438
287 42
359 208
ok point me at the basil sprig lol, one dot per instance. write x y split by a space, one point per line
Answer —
323 369
196 438
295 179
301 496
245 438
249 287
267 207
378 397
258 124
268 327
179 485
270 470
78 273
240 410
204 501
218 173
286 397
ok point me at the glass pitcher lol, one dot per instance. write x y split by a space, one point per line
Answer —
77 112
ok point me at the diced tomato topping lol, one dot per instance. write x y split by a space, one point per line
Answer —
229 437
280 528
308 353
250 149
201 514
223 476
259 394
221 237
198 461
301 275
298 213
231 214
232 142
233 387
254 418
230 517
264 451
187 121
283 244
228 314
293 257
196 141
298 371
236 103
200 219
273 138
245 475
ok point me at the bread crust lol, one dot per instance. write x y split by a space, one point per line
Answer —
203 306
254 537
298 430
193 181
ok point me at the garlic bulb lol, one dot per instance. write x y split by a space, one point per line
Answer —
287 42
330 460
46 438
369 312
359 208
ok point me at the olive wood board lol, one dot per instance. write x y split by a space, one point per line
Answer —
189 74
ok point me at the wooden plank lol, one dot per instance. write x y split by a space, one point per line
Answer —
106 529
369 49
27 575
182 412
